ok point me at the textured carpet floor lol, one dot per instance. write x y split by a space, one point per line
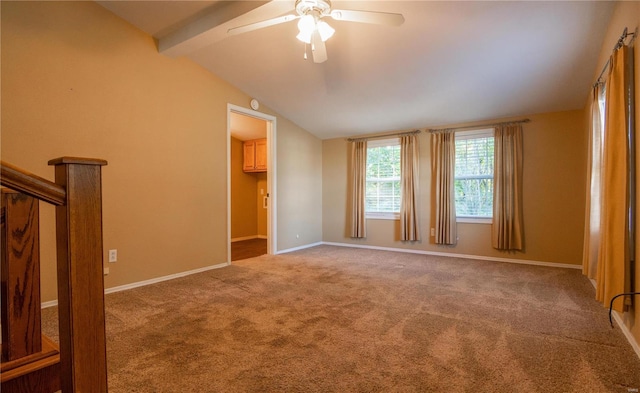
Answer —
331 319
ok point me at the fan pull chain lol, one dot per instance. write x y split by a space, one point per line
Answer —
305 51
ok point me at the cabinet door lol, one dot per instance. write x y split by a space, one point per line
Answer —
249 161
261 155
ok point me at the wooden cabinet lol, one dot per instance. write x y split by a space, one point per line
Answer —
255 156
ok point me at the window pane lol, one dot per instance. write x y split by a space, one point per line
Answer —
474 157
474 197
474 177
383 179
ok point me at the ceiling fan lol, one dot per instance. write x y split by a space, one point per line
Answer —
315 31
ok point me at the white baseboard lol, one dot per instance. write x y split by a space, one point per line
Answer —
455 255
627 333
299 248
125 287
50 303
625 330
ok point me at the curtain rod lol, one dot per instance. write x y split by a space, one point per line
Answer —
618 45
439 130
366 138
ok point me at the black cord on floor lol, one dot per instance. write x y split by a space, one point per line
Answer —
614 298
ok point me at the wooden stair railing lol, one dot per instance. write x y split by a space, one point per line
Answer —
77 195
30 361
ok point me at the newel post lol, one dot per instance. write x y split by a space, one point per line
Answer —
83 357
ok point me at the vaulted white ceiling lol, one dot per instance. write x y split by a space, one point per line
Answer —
450 62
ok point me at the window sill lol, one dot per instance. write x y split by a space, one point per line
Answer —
382 216
473 220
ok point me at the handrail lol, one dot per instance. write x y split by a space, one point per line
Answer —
30 184
77 194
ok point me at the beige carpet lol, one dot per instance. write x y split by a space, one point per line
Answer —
332 319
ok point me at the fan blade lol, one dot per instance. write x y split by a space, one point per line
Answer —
379 18
318 48
263 24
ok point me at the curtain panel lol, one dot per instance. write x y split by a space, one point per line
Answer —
409 188
357 189
507 227
443 156
591 242
613 271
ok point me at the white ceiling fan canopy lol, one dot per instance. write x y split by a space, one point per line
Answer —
319 8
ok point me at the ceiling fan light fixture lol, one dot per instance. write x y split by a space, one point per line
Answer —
325 30
304 37
306 26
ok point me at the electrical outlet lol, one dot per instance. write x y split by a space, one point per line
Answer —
113 255
433 231
106 271
297 236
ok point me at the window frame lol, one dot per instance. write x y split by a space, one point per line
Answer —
393 141
476 134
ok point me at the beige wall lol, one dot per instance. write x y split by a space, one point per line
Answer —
299 187
554 160
244 187
79 81
626 14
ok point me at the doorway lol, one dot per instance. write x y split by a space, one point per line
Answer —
250 183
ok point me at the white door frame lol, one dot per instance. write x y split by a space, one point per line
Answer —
271 176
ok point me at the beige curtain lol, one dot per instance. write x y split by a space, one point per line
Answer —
613 273
358 188
409 188
507 228
591 242
443 158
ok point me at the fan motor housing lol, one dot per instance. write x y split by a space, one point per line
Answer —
306 7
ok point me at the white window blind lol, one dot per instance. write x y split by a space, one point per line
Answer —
474 174
382 195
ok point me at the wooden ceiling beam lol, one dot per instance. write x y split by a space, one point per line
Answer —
212 26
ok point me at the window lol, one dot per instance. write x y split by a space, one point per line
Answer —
382 197
473 177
